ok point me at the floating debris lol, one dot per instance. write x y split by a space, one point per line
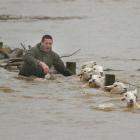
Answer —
105 107
11 59
14 17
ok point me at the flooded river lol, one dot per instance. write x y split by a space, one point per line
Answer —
106 31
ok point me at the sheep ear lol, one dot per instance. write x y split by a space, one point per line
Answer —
79 74
95 63
83 66
135 92
122 99
107 87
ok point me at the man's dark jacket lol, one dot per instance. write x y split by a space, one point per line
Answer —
36 54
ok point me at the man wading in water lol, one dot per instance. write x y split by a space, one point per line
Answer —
39 59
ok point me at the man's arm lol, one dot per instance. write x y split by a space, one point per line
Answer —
30 58
60 67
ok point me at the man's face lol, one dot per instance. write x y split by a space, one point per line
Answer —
47 44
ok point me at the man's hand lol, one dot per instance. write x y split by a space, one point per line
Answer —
44 67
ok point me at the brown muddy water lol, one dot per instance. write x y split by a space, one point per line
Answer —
106 31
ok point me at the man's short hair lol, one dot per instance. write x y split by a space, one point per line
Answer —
46 37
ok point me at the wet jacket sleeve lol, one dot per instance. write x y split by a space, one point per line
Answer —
60 67
30 58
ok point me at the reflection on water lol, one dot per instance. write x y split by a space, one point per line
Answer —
106 31
6 89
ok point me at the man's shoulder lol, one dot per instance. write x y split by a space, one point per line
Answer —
55 54
35 48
